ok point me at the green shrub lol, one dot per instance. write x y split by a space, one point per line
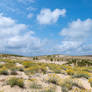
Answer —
66 84
51 59
36 68
13 72
55 68
4 71
82 74
64 89
20 69
35 85
49 89
53 78
70 71
28 64
15 81
10 65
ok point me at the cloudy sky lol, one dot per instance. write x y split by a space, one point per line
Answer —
39 27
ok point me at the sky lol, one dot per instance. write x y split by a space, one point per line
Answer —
44 27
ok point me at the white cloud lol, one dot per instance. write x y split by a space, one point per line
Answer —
76 35
30 15
5 20
47 16
17 38
26 1
67 45
78 29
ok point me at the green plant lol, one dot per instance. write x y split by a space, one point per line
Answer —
53 78
15 81
35 85
20 69
66 84
49 89
4 71
13 72
70 71
80 74
55 68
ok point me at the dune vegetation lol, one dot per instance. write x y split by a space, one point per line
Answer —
31 75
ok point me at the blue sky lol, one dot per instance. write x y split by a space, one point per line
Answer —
39 27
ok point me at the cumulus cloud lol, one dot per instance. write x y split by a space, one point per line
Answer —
47 16
17 38
76 35
78 29
67 45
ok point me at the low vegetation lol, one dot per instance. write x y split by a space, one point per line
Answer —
15 81
38 76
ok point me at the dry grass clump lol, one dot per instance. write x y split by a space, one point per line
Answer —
27 64
33 79
32 68
55 68
80 74
49 89
53 78
16 81
68 83
35 85
9 65
70 71
4 71
20 69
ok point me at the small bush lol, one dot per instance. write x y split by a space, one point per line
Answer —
28 64
53 78
20 69
70 71
4 71
32 79
66 84
15 81
49 89
55 68
13 72
35 85
80 74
